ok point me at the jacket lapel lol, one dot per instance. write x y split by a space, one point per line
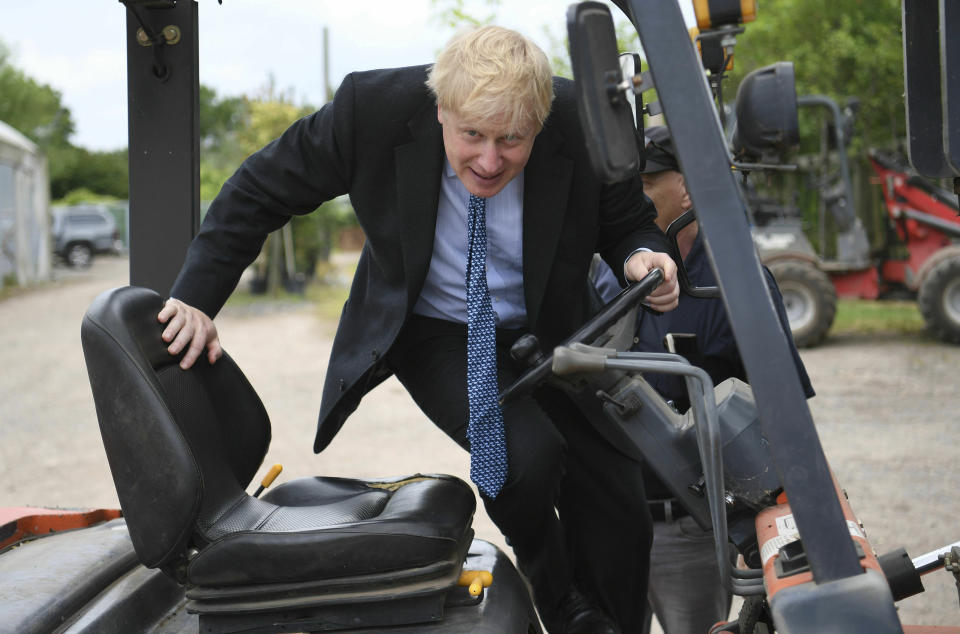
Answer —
418 165
547 180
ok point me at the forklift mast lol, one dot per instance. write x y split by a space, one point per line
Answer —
788 425
164 140
931 70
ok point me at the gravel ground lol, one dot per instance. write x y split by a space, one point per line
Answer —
885 413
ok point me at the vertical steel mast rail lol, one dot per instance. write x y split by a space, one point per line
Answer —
163 114
787 423
931 69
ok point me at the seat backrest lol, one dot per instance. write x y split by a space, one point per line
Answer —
182 444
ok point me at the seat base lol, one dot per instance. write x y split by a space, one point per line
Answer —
432 606
144 600
248 598
412 595
401 611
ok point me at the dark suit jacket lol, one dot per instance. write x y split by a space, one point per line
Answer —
380 141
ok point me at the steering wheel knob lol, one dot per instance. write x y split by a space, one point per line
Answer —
526 350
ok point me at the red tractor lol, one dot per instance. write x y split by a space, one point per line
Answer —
925 219
918 256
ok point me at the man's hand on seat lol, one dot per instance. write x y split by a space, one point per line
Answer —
665 297
189 329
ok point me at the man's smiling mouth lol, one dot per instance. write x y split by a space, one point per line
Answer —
486 178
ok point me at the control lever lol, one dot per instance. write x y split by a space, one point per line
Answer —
526 350
610 313
269 478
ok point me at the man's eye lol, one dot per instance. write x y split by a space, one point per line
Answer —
472 133
510 138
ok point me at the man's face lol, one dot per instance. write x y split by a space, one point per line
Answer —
668 192
484 154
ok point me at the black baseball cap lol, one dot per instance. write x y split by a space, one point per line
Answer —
659 153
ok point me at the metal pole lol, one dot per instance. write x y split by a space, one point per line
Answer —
787 423
327 93
163 119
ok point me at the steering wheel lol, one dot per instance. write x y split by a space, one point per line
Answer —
686 286
607 316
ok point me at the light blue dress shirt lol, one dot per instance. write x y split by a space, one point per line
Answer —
444 291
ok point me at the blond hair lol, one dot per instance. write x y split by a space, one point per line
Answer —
493 73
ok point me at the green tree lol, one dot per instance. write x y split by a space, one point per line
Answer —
220 152
219 117
78 169
455 14
840 48
35 109
247 124
266 117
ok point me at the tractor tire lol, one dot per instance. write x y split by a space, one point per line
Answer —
939 300
809 298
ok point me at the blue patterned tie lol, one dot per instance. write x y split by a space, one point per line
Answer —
488 449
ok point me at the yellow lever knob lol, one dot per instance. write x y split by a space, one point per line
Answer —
271 475
475 580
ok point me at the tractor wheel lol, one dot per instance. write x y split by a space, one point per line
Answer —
939 299
810 300
79 255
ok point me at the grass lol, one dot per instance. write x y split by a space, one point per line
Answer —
328 300
863 316
325 298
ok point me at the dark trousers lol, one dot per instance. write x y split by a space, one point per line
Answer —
573 507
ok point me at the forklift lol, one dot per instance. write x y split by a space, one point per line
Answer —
398 554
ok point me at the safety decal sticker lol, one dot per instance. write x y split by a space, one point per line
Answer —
787 532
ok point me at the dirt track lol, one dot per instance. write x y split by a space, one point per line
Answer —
885 412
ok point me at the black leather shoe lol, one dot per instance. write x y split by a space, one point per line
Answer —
576 614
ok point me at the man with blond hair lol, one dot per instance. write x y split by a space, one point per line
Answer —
472 185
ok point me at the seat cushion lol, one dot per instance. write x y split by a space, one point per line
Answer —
327 490
421 520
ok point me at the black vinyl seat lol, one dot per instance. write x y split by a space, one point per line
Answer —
184 445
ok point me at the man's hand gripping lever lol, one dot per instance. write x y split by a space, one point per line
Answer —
527 348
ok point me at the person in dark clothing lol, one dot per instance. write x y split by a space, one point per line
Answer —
704 317
471 181
685 591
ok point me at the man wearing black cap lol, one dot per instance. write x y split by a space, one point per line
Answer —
716 350
684 588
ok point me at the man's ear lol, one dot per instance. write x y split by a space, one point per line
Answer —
439 114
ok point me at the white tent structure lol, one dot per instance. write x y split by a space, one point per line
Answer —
24 210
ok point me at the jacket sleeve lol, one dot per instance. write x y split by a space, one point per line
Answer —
627 223
308 165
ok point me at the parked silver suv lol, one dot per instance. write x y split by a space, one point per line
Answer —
80 231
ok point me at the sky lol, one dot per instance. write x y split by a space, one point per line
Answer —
78 47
